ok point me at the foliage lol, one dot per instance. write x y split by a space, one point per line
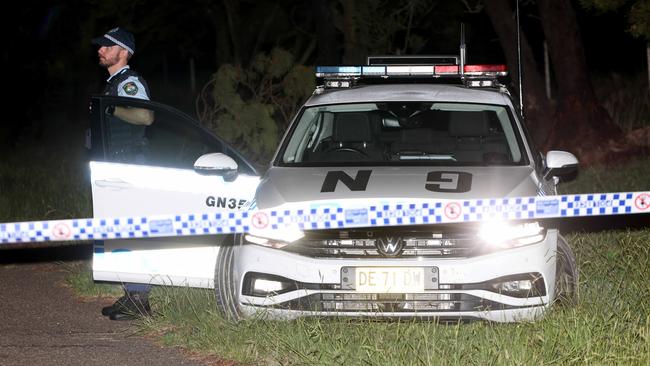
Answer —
602 5
384 27
640 19
619 95
638 13
250 106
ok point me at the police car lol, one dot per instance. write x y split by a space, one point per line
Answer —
395 130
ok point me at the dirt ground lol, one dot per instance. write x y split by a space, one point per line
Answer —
42 322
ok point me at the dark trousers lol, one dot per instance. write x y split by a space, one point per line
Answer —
137 287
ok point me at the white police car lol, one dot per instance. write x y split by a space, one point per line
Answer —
392 131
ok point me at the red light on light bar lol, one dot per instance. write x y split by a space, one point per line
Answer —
485 68
470 69
446 69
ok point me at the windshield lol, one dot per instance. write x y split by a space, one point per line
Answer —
398 133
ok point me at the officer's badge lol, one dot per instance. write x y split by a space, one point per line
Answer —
130 88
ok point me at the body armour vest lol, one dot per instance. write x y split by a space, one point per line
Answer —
127 141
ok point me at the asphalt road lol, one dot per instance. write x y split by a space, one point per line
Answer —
42 322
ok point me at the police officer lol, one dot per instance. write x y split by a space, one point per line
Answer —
127 140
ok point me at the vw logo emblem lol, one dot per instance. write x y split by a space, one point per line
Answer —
390 246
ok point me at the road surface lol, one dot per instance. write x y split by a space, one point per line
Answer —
42 322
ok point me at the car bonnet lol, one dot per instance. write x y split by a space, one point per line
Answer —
282 185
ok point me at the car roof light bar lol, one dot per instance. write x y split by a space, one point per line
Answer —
355 73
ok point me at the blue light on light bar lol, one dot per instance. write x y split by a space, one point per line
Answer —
323 71
374 70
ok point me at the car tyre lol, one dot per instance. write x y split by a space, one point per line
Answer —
226 281
566 274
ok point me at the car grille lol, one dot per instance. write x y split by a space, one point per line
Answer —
393 303
448 297
441 243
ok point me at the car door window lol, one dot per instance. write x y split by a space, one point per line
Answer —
177 145
172 139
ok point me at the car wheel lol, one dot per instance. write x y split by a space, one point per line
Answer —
226 281
566 274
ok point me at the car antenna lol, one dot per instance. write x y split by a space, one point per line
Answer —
519 71
461 68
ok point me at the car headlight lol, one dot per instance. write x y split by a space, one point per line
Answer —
277 239
500 234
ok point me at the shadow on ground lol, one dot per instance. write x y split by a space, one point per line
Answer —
42 253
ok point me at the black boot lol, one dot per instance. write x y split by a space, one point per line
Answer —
128 307
120 303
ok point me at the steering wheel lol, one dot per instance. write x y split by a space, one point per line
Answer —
349 149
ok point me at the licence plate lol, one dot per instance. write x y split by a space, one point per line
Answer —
389 279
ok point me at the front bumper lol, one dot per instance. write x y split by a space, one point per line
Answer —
464 290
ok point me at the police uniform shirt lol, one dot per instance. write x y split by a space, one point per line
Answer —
127 142
127 83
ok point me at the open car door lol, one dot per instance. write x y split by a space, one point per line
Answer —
159 179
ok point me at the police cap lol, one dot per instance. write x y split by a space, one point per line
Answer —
117 36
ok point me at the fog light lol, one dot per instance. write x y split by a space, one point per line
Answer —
267 286
263 285
515 286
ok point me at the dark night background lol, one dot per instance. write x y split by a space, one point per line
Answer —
50 67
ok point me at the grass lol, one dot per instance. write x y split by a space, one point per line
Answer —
634 176
609 325
39 184
80 278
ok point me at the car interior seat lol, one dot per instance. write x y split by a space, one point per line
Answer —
427 133
352 139
469 129
474 141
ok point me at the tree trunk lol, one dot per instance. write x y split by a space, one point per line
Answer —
581 124
222 50
537 107
242 37
352 49
328 52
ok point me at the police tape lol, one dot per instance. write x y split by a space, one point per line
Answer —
329 215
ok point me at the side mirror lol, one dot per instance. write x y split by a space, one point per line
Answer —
560 164
217 164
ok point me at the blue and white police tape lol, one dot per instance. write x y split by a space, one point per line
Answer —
329 215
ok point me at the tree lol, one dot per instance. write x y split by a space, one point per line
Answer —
638 16
538 109
251 106
577 122
328 50
579 115
380 27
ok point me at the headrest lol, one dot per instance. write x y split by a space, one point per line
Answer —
466 123
351 127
